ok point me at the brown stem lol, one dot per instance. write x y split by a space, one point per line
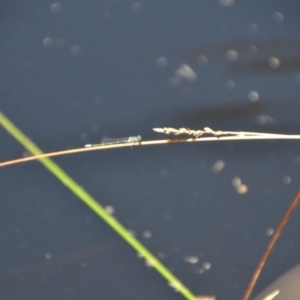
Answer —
271 247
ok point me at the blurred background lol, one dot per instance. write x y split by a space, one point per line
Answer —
73 72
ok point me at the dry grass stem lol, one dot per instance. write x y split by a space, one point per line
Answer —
209 131
217 136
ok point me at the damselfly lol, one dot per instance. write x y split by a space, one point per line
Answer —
111 141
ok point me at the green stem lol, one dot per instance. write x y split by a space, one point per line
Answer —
96 207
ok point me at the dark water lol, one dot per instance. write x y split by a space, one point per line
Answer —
74 71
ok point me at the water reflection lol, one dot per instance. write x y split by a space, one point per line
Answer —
266 114
230 111
251 57
266 66
246 49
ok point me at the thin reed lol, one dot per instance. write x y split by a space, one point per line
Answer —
217 136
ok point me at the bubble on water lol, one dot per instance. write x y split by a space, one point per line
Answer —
206 265
84 264
265 120
242 189
161 255
164 173
229 85
109 209
147 234
137 7
274 62
202 60
75 50
47 42
218 166
252 49
191 259
26 154
231 55
269 231
23 245
55 7
296 160
253 96
132 232
278 17
84 137
286 180
185 72
252 28
226 2
162 62
236 182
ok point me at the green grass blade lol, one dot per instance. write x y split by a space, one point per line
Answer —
96 207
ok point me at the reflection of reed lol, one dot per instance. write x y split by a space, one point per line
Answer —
280 115
245 49
223 112
252 57
60 261
260 66
49 268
